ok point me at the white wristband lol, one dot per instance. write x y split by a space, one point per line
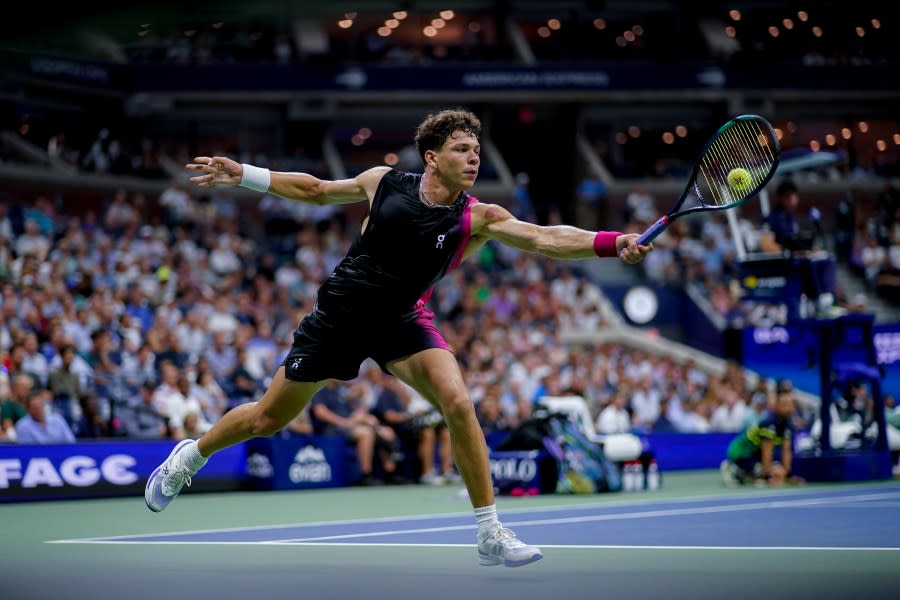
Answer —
256 178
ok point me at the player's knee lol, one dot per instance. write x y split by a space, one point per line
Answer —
457 406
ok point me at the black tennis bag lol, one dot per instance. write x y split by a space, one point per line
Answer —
581 466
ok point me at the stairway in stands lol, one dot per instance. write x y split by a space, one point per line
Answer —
853 285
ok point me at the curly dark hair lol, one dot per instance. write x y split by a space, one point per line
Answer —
435 129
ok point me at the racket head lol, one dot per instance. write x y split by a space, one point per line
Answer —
745 146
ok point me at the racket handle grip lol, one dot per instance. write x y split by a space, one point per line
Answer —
653 231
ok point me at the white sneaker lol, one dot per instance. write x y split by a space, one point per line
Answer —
167 480
452 477
431 478
500 546
729 477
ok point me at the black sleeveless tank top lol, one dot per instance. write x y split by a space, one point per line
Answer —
406 248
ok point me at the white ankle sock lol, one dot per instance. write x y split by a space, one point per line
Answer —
192 457
486 516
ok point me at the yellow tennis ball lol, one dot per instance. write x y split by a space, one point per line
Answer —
739 179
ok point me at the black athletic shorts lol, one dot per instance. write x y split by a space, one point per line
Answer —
334 348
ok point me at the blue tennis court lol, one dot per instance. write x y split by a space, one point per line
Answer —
827 519
692 539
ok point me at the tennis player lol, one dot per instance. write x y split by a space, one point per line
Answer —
417 229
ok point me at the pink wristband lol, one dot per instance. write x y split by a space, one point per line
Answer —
605 243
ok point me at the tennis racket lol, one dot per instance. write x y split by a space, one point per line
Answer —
736 163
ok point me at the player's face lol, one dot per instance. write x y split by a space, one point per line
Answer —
784 407
459 158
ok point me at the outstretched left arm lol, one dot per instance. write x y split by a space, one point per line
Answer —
492 222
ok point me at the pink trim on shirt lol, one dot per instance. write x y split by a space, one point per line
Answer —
465 235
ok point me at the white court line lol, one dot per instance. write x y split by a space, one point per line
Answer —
648 514
797 503
470 546
838 504
636 499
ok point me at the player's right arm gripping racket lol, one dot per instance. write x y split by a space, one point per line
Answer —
735 165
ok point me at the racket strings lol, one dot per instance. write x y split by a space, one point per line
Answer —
730 150
743 144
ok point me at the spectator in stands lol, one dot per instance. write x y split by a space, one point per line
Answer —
91 423
425 225
79 366
752 455
222 356
192 406
212 398
640 206
874 258
120 215
145 367
781 221
13 408
663 424
614 418
10 411
32 242
515 406
644 404
490 416
6 229
141 419
417 425
244 387
33 361
262 352
192 428
334 413
168 399
731 411
102 360
177 203
221 319
39 427
65 385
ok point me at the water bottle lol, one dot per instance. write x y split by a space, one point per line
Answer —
626 477
653 476
631 477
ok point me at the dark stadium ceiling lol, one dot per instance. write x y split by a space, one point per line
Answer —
80 29
66 24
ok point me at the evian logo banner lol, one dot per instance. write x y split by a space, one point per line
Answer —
309 454
259 465
309 466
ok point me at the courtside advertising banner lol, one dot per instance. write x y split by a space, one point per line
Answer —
297 463
101 469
